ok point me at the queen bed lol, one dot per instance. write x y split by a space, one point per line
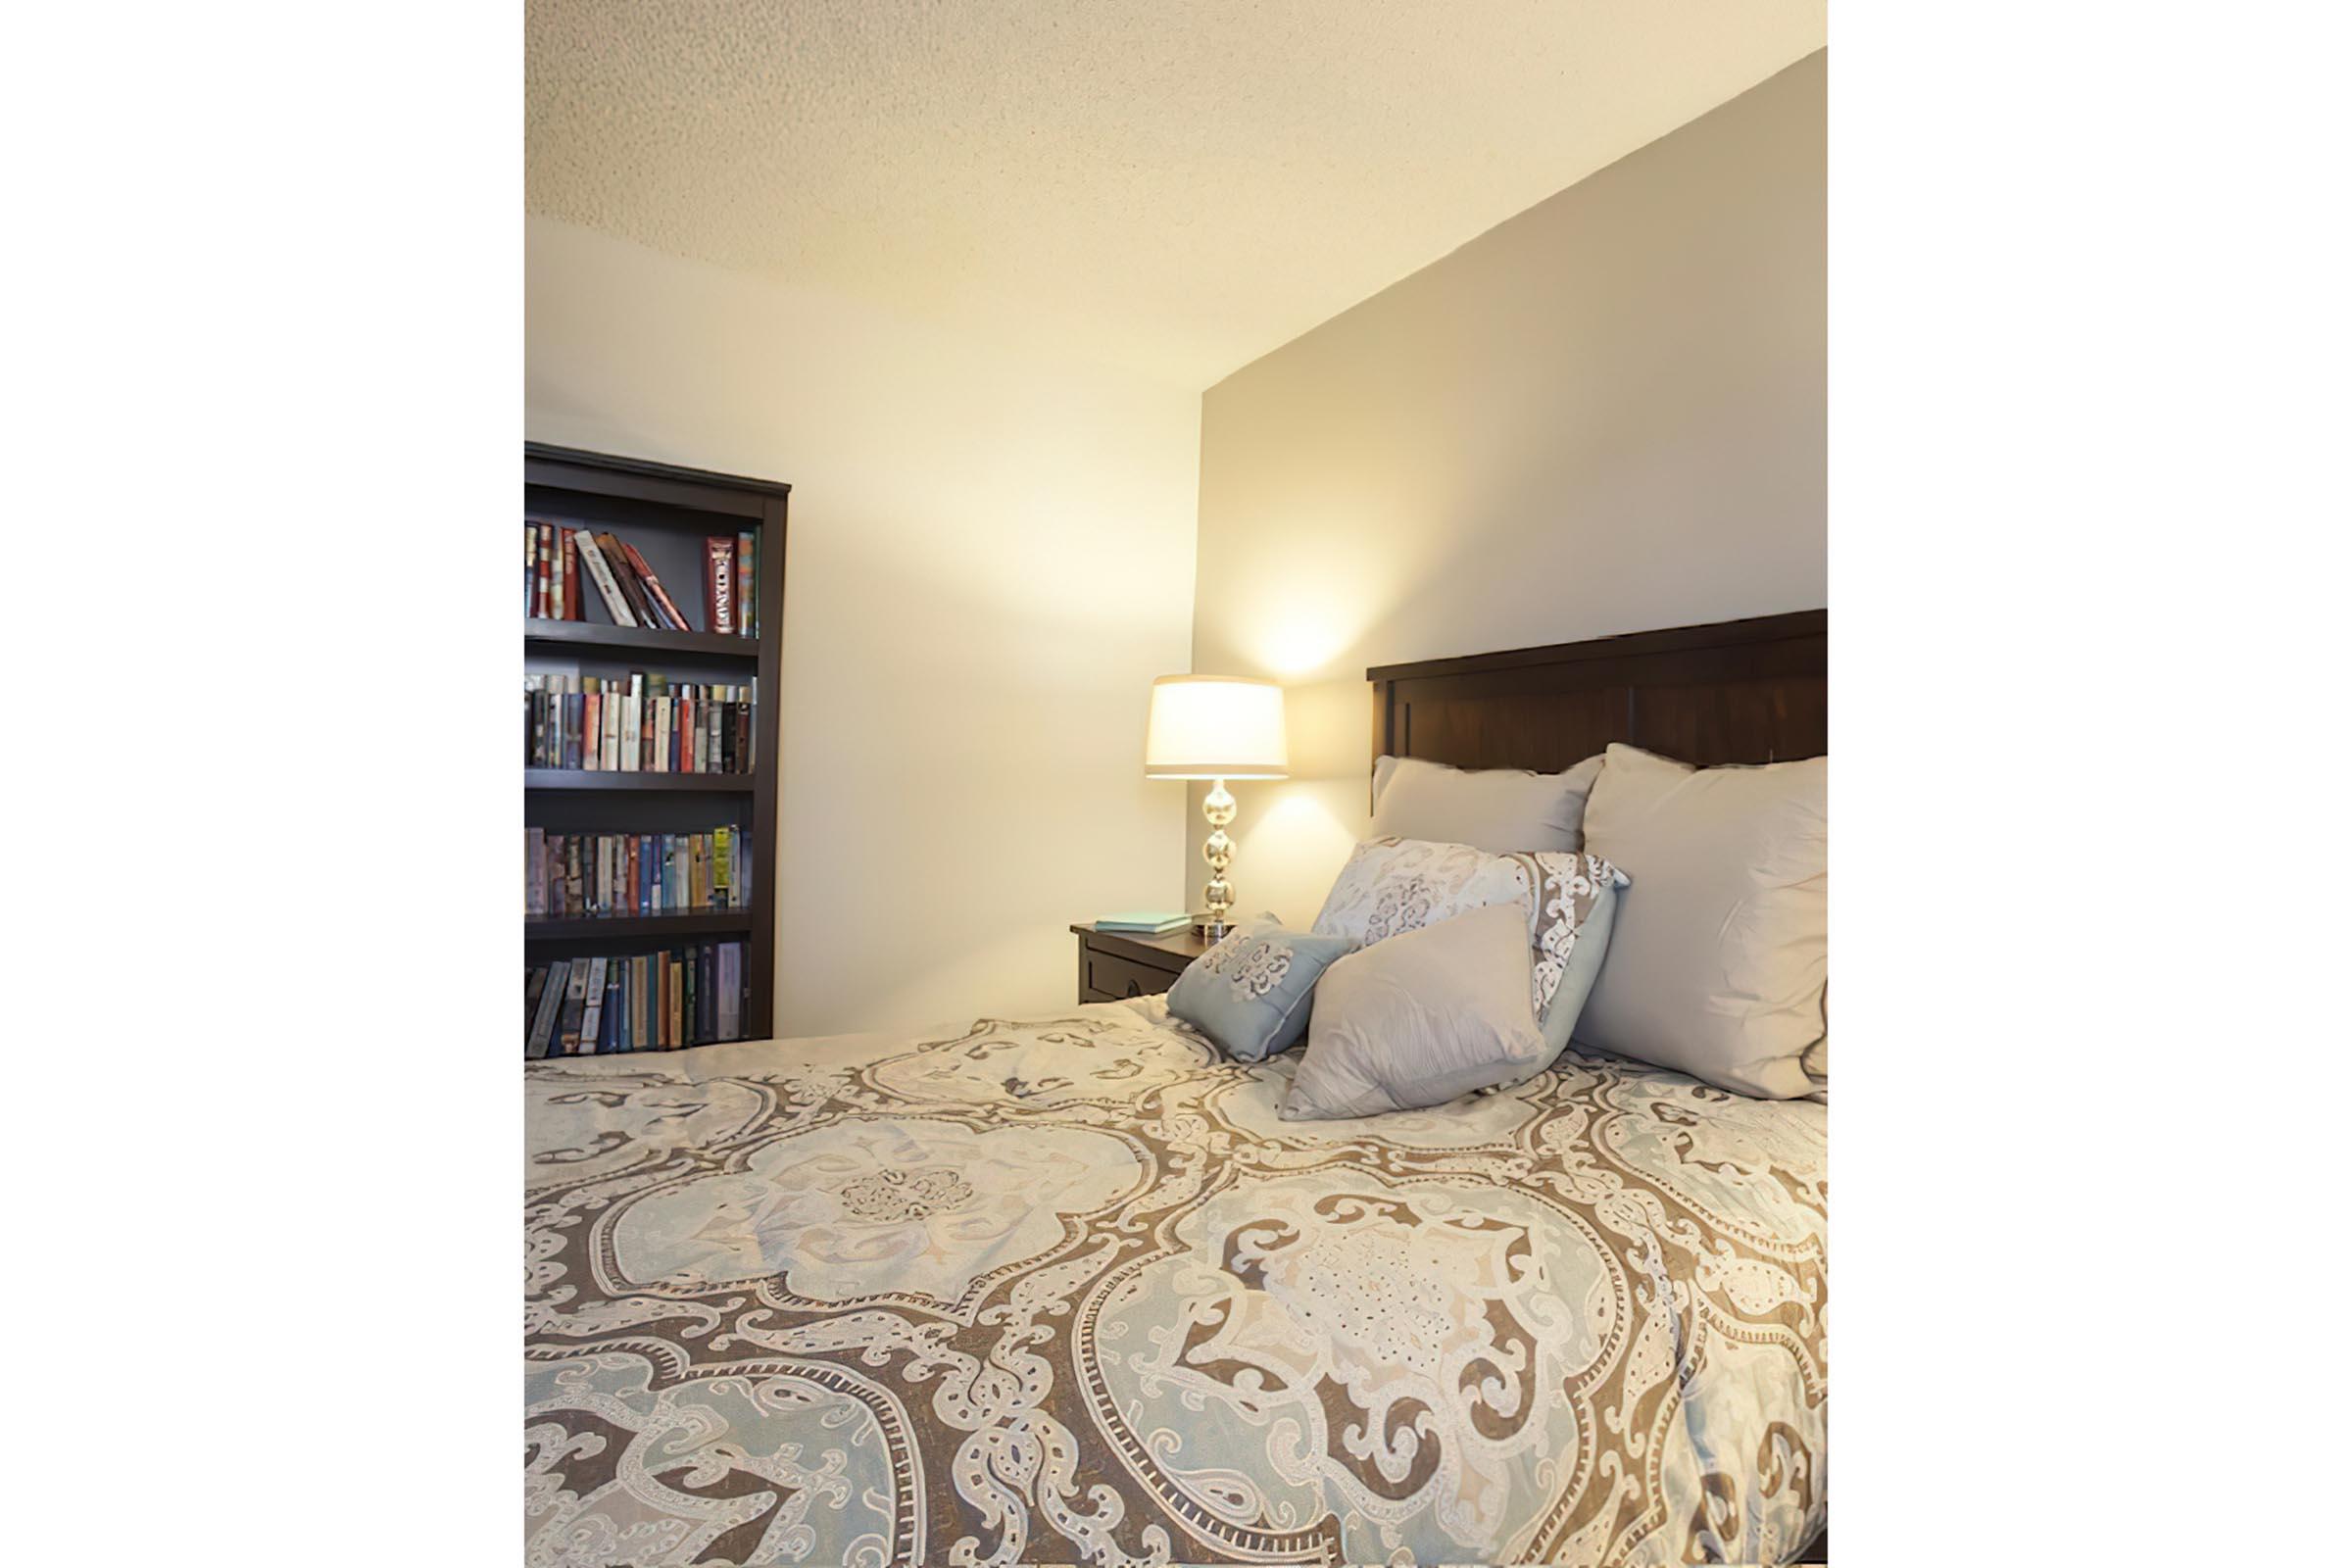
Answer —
1069 1289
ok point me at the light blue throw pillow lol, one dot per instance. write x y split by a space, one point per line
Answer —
1252 992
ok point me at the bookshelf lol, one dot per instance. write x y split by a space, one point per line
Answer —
665 512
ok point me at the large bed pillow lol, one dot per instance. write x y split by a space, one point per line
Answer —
1419 1019
1497 809
1719 953
1252 991
1390 886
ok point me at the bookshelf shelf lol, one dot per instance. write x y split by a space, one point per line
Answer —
571 778
566 634
664 514
685 923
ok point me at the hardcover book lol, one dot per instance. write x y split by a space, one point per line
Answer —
747 576
653 586
632 722
607 1034
718 582
570 610
550 1005
730 989
575 1002
593 1013
608 587
616 559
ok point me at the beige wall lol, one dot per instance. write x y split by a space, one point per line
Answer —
991 556
1604 416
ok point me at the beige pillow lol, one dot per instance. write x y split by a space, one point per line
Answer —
1720 951
1498 809
1421 1018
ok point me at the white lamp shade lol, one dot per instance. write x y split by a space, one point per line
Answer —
1215 726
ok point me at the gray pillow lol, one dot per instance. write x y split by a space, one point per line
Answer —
1719 956
1420 1019
1252 992
1497 810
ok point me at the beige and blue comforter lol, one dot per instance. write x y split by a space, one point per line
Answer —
1068 1291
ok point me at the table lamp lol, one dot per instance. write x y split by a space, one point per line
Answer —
1216 727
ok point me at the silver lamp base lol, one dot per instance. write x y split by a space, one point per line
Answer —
1217 895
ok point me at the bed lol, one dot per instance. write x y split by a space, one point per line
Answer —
1067 1290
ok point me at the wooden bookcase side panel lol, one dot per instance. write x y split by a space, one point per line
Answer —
759 960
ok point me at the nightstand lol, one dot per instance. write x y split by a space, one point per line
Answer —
1114 965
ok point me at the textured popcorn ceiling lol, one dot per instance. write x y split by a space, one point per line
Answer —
1177 187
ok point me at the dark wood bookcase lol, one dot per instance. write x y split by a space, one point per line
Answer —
666 513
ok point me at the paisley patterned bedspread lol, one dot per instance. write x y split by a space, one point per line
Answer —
1066 1290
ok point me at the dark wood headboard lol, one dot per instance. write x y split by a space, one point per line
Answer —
1737 691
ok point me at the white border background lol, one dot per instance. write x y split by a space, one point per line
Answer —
2088 514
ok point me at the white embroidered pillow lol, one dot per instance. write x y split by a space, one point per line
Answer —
1393 885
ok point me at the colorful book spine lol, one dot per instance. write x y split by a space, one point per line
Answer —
567 577
719 583
747 580
632 725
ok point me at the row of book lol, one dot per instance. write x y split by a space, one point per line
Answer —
686 996
558 561
571 875
641 724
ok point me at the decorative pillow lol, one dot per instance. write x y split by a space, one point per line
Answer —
1495 810
1420 1019
1720 952
1394 885
1252 990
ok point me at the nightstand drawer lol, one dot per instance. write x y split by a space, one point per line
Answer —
1110 975
1113 966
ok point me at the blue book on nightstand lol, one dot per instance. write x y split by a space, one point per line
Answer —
1142 923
